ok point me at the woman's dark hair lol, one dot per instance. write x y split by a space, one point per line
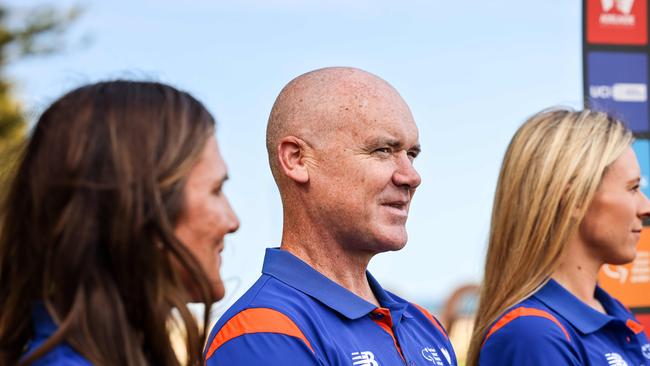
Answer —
87 226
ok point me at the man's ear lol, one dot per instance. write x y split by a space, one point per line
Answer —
291 155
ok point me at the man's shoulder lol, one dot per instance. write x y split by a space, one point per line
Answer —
270 293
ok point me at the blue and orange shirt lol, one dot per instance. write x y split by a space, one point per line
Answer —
293 315
553 327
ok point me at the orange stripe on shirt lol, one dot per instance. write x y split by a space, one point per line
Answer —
432 319
519 312
634 326
256 320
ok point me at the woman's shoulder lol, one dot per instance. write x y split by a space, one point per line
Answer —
61 354
529 319
529 333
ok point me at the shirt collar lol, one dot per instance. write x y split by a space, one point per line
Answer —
396 305
576 312
291 270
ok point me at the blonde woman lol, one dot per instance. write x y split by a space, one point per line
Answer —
567 202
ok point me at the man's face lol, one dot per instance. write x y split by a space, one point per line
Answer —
363 177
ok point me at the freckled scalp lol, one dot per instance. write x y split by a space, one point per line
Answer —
321 102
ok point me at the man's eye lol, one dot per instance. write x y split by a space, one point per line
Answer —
413 154
383 150
217 191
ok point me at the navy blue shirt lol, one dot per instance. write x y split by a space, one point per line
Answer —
293 315
553 327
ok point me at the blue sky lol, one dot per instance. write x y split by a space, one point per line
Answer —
471 71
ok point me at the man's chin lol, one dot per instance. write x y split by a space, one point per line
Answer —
392 243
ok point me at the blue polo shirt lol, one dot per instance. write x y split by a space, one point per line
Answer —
553 327
44 327
293 315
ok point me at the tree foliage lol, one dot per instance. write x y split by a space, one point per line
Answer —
23 33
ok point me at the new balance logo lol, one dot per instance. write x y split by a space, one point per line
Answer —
614 359
430 354
366 358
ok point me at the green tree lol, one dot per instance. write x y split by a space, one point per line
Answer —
26 33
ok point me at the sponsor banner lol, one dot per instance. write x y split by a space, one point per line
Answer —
617 22
630 283
642 150
617 83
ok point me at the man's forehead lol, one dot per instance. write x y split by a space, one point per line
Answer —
387 112
339 101
391 139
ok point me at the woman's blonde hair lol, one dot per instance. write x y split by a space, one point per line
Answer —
549 174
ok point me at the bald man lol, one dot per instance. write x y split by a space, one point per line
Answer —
341 146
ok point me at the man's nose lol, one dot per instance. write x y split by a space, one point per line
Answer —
405 174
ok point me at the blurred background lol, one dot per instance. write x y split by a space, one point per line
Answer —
470 71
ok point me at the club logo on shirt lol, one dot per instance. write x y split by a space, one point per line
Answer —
366 358
646 350
446 354
430 354
614 359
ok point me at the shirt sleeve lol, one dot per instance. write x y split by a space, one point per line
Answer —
270 349
530 341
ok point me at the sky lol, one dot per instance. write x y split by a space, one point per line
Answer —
471 72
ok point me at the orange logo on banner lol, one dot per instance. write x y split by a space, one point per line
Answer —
617 22
630 283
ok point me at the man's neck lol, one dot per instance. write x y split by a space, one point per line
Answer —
332 261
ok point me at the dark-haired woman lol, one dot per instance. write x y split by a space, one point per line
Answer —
115 216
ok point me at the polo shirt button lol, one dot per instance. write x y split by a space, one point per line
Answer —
628 339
